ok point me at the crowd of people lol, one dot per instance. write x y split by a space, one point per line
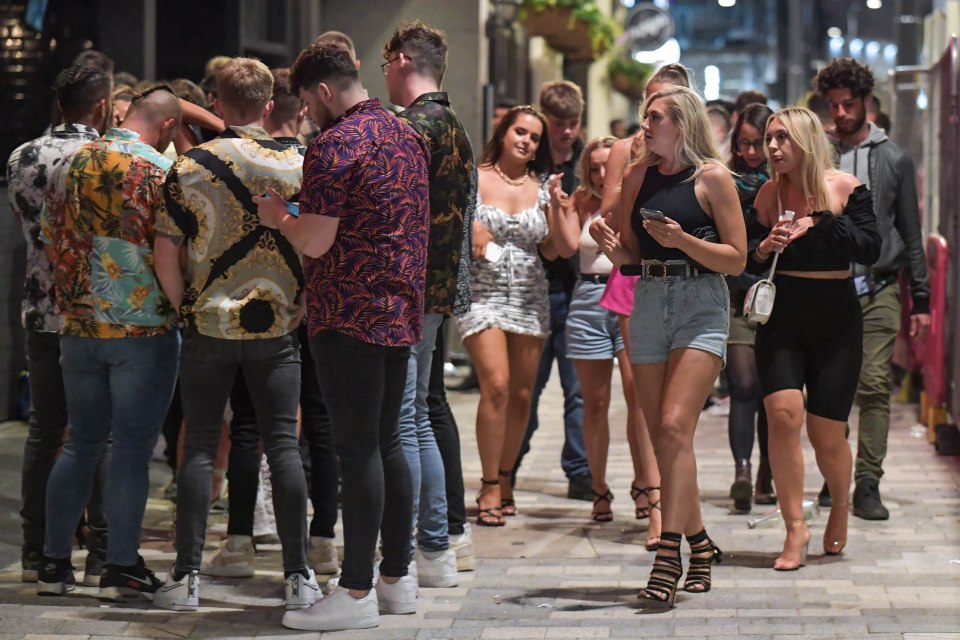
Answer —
259 267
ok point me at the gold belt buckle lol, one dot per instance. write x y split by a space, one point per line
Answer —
656 269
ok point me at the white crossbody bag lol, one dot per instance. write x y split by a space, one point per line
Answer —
758 304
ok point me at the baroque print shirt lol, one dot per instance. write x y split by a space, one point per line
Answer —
370 170
103 234
29 176
243 280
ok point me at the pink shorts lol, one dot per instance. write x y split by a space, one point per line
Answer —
618 296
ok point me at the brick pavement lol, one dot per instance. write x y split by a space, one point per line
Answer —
552 573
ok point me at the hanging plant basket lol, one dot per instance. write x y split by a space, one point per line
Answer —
579 31
622 83
629 77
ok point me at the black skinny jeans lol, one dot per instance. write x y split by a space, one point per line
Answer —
447 434
363 385
745 403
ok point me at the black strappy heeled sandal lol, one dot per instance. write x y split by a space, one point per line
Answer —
602 516
642 513
492 516
508 506
698 574
666 572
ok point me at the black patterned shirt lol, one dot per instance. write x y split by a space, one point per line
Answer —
452 201
29 178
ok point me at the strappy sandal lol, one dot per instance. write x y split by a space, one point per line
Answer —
508 506
698 574
642 513
492 516
666 572
602 516
652 543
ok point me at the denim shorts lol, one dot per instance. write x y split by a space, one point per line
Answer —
592 331
679 312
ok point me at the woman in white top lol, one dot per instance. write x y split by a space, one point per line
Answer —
517 214
594 339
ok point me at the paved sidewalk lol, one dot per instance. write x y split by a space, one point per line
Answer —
552 573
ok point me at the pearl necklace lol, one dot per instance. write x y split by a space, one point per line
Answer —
510 181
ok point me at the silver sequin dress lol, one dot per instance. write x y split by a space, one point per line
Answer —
511 294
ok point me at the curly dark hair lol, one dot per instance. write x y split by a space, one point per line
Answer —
79 87
845 73
320 62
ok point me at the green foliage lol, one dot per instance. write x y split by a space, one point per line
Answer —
623 64
603 30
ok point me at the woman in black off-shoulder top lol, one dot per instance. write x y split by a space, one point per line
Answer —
814 337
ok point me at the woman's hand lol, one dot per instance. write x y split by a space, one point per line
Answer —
778 238
609 242
667 232
799 228
558 198
481 236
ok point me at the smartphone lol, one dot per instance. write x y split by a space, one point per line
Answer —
492 252
292 207
652 214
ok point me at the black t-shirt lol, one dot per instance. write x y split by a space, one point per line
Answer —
563 272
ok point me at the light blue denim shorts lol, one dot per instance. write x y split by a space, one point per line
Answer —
592 331
679 312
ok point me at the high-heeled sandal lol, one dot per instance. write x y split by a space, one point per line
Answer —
508 506
666 571
698 573
833 545
641 513
803 550
602 516
653 543
492 516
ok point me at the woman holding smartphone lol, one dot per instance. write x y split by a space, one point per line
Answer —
678 328
518 212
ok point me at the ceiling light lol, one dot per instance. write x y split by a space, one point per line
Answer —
874 4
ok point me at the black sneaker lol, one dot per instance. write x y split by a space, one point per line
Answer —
124 583
580 487
823 498
29 562
866 501
93 569
55 577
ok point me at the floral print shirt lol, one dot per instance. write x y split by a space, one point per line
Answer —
243 280
103 234
370 170
29 172
452 199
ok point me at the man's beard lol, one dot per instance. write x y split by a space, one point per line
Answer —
854 127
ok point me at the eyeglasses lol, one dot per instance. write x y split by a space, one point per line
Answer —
383 67
743 145
153 89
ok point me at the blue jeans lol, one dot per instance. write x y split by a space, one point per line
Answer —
420 445
118 389
573 458
271 370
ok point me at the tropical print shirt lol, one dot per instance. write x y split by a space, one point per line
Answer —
29 177
243 280
103 234
452 197
370 170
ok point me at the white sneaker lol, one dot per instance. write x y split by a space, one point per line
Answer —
234 560
322 556
437 568
338 611
399 597
462 546
300 592
179 595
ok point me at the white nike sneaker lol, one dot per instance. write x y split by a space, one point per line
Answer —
437 568
179 595
322 556
234 560
300 592
337 612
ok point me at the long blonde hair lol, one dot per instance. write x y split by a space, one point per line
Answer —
818 155
587 189
695 146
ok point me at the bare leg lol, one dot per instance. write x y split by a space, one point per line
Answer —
488 351
630 398
523 353
784 420
595 386
829 441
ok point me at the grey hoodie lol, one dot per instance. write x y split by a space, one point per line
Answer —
890 175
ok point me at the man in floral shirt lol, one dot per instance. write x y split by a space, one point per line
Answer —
118 349
416 58
83 94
